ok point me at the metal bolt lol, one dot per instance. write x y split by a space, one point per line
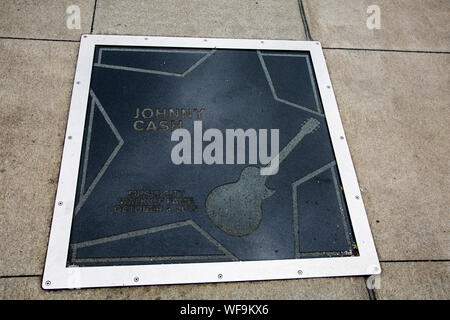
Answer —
300 272
357 197
220 276
262 41
69 137
60 203
342 137
47 283
78 82
136 279
329 87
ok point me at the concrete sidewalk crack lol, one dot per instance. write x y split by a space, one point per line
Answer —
305 21
93 16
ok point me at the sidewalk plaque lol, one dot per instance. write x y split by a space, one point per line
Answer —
200 160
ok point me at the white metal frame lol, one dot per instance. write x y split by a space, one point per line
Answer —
57 275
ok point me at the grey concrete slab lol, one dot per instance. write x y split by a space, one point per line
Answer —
414 280
35 88
36 84
44 19
271 19
395 110
29 177
326 288
404 24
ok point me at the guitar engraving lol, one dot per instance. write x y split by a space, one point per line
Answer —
236 208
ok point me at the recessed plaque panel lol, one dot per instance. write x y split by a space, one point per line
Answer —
206 157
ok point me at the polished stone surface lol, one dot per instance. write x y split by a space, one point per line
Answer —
135 205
